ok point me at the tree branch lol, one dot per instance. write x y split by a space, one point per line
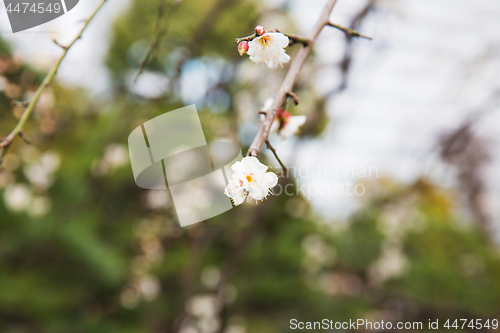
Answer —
160 31
271 148
317 114
290 79
347 31
17 131
294 39
247 38
295 98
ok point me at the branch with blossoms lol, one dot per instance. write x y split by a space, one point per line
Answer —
31 103
250 179
286 89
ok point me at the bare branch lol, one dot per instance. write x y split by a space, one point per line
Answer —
294 39
289 81
347 31
19 103
295 98
317 113
24 137
5 144
271 148
247 38
57 43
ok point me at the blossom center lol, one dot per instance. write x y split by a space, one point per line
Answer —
249 178
264 39
283 117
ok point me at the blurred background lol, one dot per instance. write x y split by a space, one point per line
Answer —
410 119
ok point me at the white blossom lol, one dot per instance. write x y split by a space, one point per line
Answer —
291 125
269 49
17 197
250 181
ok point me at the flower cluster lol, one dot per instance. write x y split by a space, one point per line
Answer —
266 48
284 124
250 181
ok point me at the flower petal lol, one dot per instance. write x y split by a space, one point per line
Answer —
233 189
238 200
237 167
258 192
292 126
274 126
269 49
249 163
279 39
271 179
267 104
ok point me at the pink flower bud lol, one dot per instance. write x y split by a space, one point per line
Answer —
259 30
243 48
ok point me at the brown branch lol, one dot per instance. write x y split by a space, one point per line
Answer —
295 98
24 137
57 43
271 148
317 114
246 39
289 81
347 31
294 39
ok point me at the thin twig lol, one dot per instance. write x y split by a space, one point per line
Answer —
295 98
5 144
347 31
160 31
294 39
247 38
19 103
24 137
271 148
57 43
289 81
317 113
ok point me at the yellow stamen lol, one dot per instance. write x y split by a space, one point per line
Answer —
264 39
249 178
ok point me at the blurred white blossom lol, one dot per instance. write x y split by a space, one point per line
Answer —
204 305
284 124
149 287
116 155
3 82
17 197
210 277
157 199
40 206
